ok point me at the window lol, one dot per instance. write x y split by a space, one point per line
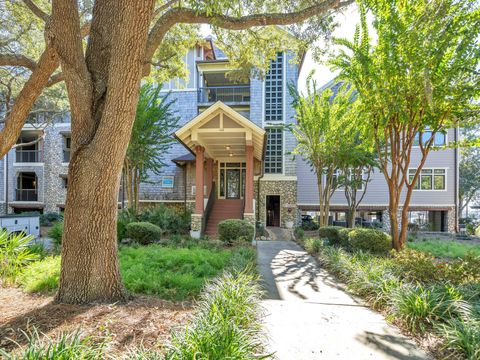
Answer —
67 140
274 90
274 151
429 179
168 181
440 139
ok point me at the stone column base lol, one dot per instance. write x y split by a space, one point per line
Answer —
250 217
196 226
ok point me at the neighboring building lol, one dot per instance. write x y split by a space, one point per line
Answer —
232 157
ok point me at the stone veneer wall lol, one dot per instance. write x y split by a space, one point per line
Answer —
451 220
287 190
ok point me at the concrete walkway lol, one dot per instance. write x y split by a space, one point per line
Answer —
310 317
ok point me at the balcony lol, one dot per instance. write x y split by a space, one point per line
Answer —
26 195
226 94
28 156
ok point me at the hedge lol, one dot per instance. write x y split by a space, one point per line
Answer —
233 230
143 232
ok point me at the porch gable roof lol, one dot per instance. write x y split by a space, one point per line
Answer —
223 132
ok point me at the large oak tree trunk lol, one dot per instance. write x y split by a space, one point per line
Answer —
103 98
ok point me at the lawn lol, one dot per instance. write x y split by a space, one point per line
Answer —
445 248
168 272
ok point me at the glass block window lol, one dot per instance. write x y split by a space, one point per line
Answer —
274 151
429 179
274 90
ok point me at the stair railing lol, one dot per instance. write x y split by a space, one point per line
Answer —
208 208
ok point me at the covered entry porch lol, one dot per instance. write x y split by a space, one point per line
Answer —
228 150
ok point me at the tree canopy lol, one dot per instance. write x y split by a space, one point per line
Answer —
420 78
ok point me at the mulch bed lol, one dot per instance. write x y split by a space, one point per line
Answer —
145 322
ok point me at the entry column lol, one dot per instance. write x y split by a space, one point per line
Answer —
199 160
249 180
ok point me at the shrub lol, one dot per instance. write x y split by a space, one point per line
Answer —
462 271
419 307
234 230
41 276
299 233
371 240
331 233
143 232
56 234
462 336
313 245
124 217
226 324
50 218
309 225
14 254
39 249
343 235
167 219
415 265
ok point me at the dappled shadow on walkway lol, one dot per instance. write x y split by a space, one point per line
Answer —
393 346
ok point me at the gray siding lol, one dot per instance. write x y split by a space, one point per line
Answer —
377 190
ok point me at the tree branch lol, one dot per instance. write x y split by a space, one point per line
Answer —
17 60
189 16
28 95
36 10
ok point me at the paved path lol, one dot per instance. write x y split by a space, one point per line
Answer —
310 317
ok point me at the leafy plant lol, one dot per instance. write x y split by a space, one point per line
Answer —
299 233
415 265
69 346
372 240
14 254
41 276
50 218
143 232
313 245
169 220
331 233
461 335
56 234
234 230
226 324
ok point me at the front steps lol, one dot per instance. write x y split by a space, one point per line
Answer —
223 209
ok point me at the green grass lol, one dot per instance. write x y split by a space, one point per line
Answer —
445 248
170 273
174 274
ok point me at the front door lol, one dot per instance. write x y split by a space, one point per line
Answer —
233 183
273 210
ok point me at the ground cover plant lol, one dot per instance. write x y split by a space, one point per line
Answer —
445 248
423 294
168 272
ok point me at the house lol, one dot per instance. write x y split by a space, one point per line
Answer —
231 158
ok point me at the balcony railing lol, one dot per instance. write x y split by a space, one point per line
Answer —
226 94
26 195
28 156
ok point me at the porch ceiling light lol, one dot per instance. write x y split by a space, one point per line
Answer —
227 147
231 154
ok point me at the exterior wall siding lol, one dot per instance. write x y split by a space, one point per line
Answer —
377 190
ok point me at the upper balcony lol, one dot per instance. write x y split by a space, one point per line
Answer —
29 148
28 156
219 84
233 94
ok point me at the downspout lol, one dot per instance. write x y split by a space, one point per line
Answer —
6 184
261 176
185 187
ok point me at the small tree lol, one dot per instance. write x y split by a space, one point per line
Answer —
357 162
320 118
151 138
419 80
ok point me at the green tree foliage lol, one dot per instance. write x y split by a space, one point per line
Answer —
320 118
330 141
420 77
469 189
151 138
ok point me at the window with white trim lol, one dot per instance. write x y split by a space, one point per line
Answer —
429 179
274 151
274 90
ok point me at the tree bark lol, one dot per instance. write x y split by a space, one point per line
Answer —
90 268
